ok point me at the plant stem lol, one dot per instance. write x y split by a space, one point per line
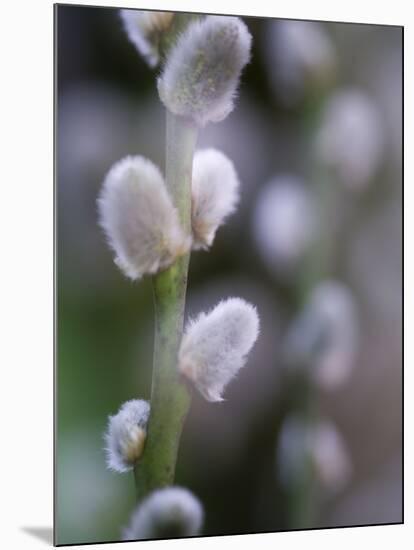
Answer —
170 397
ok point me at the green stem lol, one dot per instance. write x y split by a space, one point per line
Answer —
170 397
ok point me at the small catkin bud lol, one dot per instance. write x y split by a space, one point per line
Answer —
215 345
139 219
166 513
144 29
125 435
202 71
215 194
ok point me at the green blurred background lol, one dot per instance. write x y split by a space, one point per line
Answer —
107 107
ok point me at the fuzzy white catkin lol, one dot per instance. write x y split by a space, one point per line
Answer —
316 444
125 435
215 346
284 222
139 219
215 194
143 29
202 71
169 512
325 335
350 140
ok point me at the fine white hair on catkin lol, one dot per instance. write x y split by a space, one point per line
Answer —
202 71
139 219
215 346
166 513
215 194
143 29
125 435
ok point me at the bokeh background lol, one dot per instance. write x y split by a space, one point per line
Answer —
283 128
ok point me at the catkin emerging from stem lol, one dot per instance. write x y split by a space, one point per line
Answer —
125 435
202 71
215 346
139 219
215 194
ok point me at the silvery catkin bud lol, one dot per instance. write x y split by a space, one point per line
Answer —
139 219
166 513
125 435
215 194
144 28
202 71
215 345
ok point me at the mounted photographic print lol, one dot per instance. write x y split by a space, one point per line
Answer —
228 274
